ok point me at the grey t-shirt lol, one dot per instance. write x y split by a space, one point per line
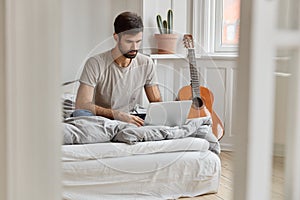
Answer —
117 87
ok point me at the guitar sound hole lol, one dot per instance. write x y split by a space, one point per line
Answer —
197 102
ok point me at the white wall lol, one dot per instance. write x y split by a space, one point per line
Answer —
87 24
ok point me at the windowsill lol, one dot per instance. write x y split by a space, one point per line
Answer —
168 56
220 56
198 56
216 56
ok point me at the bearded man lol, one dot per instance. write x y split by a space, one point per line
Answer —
112 82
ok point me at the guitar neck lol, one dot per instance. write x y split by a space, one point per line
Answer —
194 73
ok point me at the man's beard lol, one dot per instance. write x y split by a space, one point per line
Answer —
129 54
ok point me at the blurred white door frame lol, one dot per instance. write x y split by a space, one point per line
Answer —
259 41
3 147
30 103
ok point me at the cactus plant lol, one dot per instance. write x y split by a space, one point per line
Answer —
166 26
159 24
170 21
165 23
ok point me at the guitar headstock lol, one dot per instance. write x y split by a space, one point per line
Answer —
188 41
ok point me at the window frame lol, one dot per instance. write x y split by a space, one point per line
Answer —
207 18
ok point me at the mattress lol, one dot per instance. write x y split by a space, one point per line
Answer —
166 169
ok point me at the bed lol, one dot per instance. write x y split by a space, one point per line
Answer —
137 164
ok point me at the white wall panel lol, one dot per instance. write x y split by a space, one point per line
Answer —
172 75
217 83
230 109
233 101
216 74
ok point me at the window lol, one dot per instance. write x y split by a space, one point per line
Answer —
218 22
227 25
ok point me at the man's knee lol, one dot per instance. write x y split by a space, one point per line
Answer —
82 112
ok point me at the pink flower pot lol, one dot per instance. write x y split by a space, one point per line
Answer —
166 43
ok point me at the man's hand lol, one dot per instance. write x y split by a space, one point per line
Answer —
128 118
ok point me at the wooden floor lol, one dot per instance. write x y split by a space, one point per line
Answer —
226 183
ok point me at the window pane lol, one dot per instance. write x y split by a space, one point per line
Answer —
231 22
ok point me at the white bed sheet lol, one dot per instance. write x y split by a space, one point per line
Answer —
148 176
112 150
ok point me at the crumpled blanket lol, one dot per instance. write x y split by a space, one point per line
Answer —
97 129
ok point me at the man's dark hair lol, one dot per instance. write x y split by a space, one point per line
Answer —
129 22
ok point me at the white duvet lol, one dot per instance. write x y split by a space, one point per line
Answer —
121 161
97 129
112 150
166 169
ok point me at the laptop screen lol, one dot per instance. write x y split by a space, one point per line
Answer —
168 113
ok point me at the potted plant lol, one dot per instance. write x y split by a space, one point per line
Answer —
166 39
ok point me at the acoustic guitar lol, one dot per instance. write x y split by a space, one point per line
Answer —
201 97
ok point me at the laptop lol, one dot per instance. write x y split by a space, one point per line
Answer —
168 113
